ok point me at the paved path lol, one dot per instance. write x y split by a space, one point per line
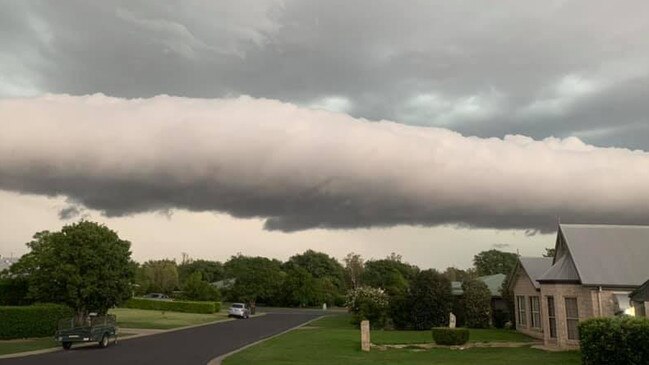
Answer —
186 347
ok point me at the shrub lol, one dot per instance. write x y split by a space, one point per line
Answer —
196 288
173 306
430 300
31 321
368 303
477 304
458 308
400 312
614 341
450 336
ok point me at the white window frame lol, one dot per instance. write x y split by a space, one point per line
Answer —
535 314
521 310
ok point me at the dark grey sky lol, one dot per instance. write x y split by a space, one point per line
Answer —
551 68
268 174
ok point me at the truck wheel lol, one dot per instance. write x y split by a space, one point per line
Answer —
67 345
104 341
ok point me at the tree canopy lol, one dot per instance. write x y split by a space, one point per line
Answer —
86 266
477 304
320 265
158 276
430 300
390 274
257 278
210 271
494 262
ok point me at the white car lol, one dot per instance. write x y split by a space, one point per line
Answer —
238 310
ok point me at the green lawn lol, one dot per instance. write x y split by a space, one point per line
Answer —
28 344
332 340
475 335
150 319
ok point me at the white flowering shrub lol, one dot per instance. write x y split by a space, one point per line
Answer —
368 303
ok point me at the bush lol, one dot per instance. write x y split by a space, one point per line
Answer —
31 321
477 304
173 306
197 289
450 336
614 341
458 308
430 300
368 303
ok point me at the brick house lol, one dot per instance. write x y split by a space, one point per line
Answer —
640 300
594 271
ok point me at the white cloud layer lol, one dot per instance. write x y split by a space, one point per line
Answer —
300 168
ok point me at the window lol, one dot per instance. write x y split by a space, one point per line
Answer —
572 318
522 313
552 318
535 312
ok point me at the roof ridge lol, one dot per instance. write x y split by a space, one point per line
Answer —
604 225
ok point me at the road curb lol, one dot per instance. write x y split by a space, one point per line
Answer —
219 359
58 348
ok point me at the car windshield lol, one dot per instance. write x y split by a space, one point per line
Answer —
237 305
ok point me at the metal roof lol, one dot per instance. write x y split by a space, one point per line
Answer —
535 267
608 255
493 282
562 270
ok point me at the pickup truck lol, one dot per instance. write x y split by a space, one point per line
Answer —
93 328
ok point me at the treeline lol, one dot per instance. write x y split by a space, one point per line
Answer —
313 278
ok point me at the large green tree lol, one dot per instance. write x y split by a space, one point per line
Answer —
195 288
391 274
320 266
159 276
210 271
429 300
494 262
86 266
258 279
454 274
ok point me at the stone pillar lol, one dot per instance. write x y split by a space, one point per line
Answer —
451 321
365 335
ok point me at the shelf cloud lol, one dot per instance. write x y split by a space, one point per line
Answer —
302 168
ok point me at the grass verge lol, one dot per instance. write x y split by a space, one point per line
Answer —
150 319
333 340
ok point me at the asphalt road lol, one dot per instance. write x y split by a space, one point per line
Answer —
185 347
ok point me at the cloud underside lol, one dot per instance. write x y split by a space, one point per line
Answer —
545 68
300 168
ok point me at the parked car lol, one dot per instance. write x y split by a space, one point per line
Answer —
239 310
157 296
93 328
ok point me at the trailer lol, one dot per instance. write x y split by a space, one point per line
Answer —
92 328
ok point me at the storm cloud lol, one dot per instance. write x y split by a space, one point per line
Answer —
537 68
301 168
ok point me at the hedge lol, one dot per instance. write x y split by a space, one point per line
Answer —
13 291
31 321
615 341
173 306
450 336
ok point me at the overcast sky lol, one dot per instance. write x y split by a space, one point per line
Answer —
433 129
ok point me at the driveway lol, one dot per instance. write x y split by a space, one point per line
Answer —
191 346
